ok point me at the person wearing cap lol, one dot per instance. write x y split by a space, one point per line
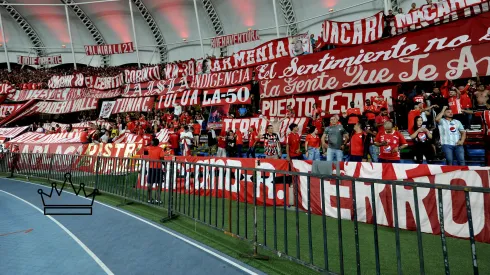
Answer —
253 137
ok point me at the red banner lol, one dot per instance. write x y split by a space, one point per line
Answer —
64 107
265 53
49 94
12 132
6 89
471 31
358 32
92 93
127 47
185 98
44 60
128 138
210 181
440 12
450 64
237 38
222 79
224 96
10 108
142 75
455 218
159 87
333 103
181 69
66 81
260 124
138 104
105 83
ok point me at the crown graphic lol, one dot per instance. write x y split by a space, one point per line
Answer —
68 209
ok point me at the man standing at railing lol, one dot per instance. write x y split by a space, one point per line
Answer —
14 163
155 174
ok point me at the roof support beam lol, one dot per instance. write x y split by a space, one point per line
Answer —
217 25
157 33
289 16
96 35
26 27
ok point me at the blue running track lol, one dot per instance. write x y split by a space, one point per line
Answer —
111 241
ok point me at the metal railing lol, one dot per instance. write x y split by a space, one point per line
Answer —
291 214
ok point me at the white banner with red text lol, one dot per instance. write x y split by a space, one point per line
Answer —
106 109
233 39
358 32
109 49
134 104
185 98
159 87
332 102
190 177
43 60
12 132
142 75
260 125
455 218
229 95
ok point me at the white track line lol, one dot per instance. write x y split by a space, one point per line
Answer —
89 252
197 245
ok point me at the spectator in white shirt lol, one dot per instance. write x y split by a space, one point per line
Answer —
105 137
186 137
177 109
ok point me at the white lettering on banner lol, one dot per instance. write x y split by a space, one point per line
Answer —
182 69
455 220
65 107
222 79
139 104
43 60
185 98
105 83
264 53
142 75
222 96
109 49
66 81
430 14
333 103
232 39
357 32
51 94
10 108
260 125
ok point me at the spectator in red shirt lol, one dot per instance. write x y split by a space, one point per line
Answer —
239 142
414 8
357 141
221 146
252 141
196 131
381 119
312 144
155 176
147 138
84 136
293 143
391 142
174 139
418 111
353 114
130 125
370 110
